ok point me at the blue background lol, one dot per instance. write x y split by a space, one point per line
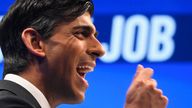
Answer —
109 81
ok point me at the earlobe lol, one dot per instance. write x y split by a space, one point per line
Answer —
33 42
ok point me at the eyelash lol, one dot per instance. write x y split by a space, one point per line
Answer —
82 33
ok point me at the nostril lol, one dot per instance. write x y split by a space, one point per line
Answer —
96 50
95 54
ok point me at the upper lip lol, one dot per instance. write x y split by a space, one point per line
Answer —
86 66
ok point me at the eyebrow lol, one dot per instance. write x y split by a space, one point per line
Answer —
87 28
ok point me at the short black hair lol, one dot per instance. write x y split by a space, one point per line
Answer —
42 15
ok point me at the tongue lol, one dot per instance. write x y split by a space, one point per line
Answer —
82 70
82 74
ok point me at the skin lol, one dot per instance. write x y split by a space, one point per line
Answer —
56 70
143 92
73 44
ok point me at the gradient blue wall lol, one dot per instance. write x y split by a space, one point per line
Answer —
155 33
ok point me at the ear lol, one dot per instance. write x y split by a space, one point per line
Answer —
32 40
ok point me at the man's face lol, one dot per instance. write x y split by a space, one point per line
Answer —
71 53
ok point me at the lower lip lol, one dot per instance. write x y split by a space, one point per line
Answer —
85 82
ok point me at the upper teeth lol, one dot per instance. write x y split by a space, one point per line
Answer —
84 67
89 68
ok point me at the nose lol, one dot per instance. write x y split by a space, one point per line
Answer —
95 48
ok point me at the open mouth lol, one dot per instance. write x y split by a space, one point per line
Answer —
82 70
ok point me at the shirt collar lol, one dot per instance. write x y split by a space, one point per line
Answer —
38 95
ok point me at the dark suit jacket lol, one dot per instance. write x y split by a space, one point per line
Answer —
13 95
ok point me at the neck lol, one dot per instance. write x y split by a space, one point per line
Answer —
36 76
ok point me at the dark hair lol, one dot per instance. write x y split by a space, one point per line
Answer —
42 15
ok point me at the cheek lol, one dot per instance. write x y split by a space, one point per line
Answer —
67 52
64 57
62 62
73 51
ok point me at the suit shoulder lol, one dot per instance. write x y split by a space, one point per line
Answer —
12 101
12 93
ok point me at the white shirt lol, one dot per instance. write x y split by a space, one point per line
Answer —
29 87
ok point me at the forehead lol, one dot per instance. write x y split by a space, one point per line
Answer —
84 21
80 22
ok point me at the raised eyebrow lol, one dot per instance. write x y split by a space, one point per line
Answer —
83 27
88 28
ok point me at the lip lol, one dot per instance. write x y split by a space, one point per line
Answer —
83 68
91 64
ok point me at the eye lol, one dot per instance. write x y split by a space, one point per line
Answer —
82 34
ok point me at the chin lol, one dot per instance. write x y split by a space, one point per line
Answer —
76 98
79 101
80 98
